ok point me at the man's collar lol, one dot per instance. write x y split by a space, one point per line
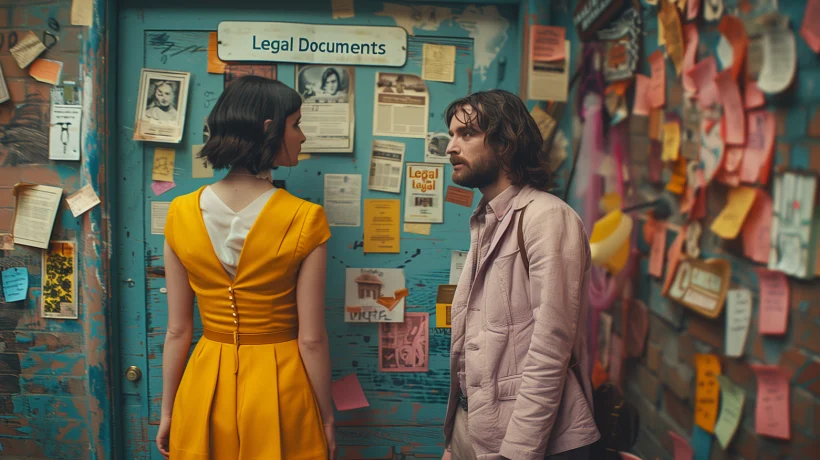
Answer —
501 204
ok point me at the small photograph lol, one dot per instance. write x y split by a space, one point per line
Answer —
234 71
60 281
400 83
436 148
319 83
161 106
424 201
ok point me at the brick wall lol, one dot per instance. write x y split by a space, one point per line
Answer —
661 383
55 400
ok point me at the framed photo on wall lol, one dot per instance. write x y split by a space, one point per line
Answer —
161 105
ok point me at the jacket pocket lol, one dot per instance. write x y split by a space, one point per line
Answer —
497 312
508 387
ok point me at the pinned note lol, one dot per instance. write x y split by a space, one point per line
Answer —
701 443
163 168
82 200
774 302
641 102
738 204
672 258
548 43
27 49
810 30
15 284
779 57
733 113
732 398
200 168
738 314
381 226
46 71
459 196
690 54
756 230
656 252
671 141
418 229
681 447
707 391
673 36
35 210
703 75
772 408
438 62
215 65
657 84
4 89
733 30
159 186
347 393
757 156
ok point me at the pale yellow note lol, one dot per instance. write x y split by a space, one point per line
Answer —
27 49
163 169
82 200
419 229
200 168
82 12
738 203
381 226
438 63
731 410
671 141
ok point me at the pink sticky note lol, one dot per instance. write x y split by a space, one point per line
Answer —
774 302
757 159
690 35
753 97
703 74
657 84
347 393
159 187
772 409
656 252
810 30
692 8
732 108
673 257
682 449
641 105
756 230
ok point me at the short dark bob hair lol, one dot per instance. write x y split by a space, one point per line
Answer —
238 138
511 131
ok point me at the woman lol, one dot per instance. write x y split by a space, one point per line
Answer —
163 104
257 384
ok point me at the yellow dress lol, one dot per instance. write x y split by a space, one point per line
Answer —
245 393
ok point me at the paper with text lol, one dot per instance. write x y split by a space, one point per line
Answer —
457 261
738 204
757 156
34 213
82 200
549 80
707 391
347 393
342 201
756 232
381 226
64 132
46 71
386 166
772 407
459 196
405 347
27 49
159 214
15 284
438 62
424 194
733 113
401 106
328 110
163 168
779 59
774 302
732 398
738 315
547 43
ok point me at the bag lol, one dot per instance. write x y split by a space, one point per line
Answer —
616 418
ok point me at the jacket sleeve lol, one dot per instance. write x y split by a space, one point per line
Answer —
558 251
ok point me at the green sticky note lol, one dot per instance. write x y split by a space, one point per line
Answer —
731 410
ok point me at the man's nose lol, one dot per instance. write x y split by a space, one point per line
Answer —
452 147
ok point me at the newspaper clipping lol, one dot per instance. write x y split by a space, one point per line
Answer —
327 113
343 194
386 162
424 195
401 106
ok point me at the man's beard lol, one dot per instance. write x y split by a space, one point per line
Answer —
478 174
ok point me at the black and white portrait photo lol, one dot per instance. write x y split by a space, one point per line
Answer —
436 148
319 83
161 103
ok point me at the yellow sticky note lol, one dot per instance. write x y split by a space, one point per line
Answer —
707 391
163 169
200 168
671 141
438 62
419 229
738 203
381 226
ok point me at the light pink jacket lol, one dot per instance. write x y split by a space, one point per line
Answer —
524 402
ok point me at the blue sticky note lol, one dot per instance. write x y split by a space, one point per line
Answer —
15 284
701 443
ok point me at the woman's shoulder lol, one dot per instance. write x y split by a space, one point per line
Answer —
188 200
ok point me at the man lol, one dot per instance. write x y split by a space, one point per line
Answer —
519 314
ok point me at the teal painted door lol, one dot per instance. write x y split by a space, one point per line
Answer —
406 409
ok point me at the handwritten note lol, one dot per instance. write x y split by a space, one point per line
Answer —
738 203
671 141
774 302
732 108
46 71
757 157
732 398
779 58
82 200
657 85
772 408
738 314
656 252
756 232
673 36
27 49
163 168
347 393
810 30
381 226
690 35
707 391
15 284
681 447
641 102
548 43
82 12
438 62
215 65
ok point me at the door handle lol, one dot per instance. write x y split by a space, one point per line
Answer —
133 373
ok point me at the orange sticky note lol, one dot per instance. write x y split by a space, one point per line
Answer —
733 29
657 86
732 108
215 65
738 203
703 74
707 391
672 258
774 302
641 104
752 96
757 157
756 231
772 408
656 252
46 71
690 34
673 36
548 43
810 30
